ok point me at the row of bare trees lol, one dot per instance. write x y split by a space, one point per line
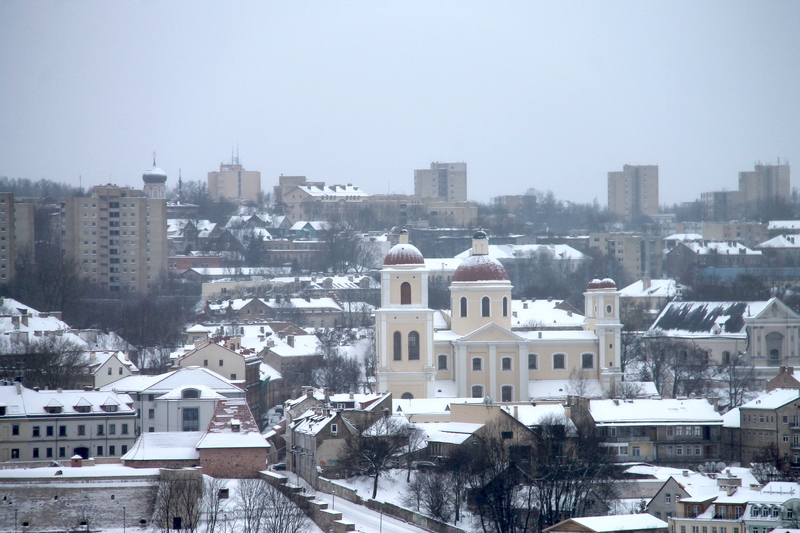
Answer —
190 502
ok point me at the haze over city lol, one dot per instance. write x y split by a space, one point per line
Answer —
545 95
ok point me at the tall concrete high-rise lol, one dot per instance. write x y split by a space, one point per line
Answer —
442 180
118 235
634 191
233 182
766 182
7 237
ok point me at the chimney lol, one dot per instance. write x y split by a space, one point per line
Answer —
76 461
327 396
403 236
516 412
309 392
290 340
646 283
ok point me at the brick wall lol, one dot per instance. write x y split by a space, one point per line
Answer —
233 462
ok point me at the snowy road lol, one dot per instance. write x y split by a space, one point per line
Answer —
365 519
368 521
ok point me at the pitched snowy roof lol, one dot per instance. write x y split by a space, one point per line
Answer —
773 399
628 522
781 241
705 318
732 419
517 251
653 412
684 237
163 383
448 432
312 422
420 406
333 191
230 414
26 402
543 389
206 393
173 445
658 288
783 224
544 314
720 248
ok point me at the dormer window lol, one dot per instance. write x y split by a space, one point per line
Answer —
236 426
110 408
190 393
53 409
83 409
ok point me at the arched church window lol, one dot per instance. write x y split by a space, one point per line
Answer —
405 293
477 391
413 346
463 306
442 359
407 396
505 306
398 346
485 306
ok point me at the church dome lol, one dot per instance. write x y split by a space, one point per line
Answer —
606 283
403 254
480 268
154 174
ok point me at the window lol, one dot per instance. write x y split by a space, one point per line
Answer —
35 431
81 430
334 429
35 453
190 393
220 362
99 451
151 413
62 431
635 451
15 453
233 376
124 449
205 362
112 429
49 452
506 364
477 365
559 362
505 306
62 451
463 306
50 431
101 429
110 370
477 391
533 361
669 431
398 346
587 360
405 293
485 306
413 346
679 450
679 431
507 393
442 360
191 419
15 429
124 429
670 450
668 498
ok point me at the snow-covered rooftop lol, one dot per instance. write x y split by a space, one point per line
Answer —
20 401
773 399
653 412
628 522
657 288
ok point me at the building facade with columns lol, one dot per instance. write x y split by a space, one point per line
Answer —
472 351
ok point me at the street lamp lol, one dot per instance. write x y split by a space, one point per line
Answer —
333 503
380 530
123 519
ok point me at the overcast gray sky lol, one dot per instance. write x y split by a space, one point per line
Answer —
550 95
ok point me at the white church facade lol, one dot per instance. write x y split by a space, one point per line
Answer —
473 352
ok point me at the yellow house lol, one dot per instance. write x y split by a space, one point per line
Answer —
479 355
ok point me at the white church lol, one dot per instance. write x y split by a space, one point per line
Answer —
472 350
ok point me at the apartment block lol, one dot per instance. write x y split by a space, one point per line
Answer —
6 237
720 206
118 236
442 180
639 255
633 191
766 182
233 182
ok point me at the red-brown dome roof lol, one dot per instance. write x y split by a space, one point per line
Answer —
403 254
606 283
480 268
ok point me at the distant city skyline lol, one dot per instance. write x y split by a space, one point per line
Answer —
542 95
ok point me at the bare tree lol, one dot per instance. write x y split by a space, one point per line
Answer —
211 504
54 361
251 511
738 378
675 366
432 494
417 440
283 516
178 500
377 448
